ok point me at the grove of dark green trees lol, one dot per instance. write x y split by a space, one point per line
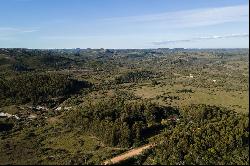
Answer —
37 88
136 76
118 123
206 135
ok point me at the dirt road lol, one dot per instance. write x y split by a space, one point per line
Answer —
128 154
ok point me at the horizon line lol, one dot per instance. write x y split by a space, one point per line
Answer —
123 48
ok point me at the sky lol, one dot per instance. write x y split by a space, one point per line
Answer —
124 24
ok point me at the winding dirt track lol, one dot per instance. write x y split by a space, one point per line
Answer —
128 154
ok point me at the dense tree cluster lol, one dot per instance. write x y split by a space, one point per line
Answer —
118 123
34 87
136 76
27 60
206 135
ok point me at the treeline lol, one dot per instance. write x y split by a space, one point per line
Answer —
27 60
118 123
206 135
40 62
37 88
136 76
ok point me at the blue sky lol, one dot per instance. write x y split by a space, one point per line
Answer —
124 23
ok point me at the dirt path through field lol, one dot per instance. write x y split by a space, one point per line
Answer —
129 154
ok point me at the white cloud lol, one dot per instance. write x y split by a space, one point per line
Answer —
224 36
201 38
190 18
10 31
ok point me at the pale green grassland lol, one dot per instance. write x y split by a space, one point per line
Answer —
234 99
